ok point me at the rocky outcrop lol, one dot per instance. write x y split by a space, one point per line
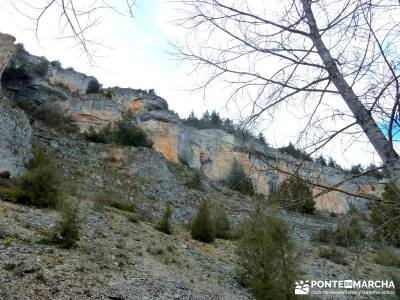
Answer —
211 151
15 139
7 49
15 131
75 82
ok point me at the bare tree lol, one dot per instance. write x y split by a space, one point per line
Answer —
75 18
323 52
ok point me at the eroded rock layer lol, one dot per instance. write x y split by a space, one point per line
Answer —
211 151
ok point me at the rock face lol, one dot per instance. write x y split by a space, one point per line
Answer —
75 82
211 151
15 131
6 51
15 140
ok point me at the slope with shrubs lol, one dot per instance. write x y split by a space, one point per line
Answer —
124 132
385 218
237 180
40 186
266 257
294 194
111 252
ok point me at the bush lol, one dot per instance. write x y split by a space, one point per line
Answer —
93 87
237 180
296 153
133 218
107 199
333 254
67 230
39 186
50 116
294 194
5 174
129 134
221 223
386 257
41 67
101 200
103 136
164 225
384 216
349 232
202 228
194 182
266 258
121 205
325 235
124 133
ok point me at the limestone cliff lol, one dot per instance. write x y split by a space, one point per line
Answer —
210 151
15 131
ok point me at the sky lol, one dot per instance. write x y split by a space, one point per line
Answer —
135 53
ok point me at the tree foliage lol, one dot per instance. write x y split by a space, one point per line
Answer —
385 216
294 152
164 225
40 186
124 132
294 194
203 227
238 180
299 55
266 258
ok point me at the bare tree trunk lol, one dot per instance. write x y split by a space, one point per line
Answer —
381 144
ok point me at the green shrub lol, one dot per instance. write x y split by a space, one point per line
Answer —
164 225
294 194
266 258
67 230
141 215
122 205
133 218
41 67
50 116
39 186
386 257
124 133
349 232
128 134
93 87
107 199
101 200
103 136
221 223
334 254
325 235
5 174
194 182
202 227
237 180
396 280
384 216
57 119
